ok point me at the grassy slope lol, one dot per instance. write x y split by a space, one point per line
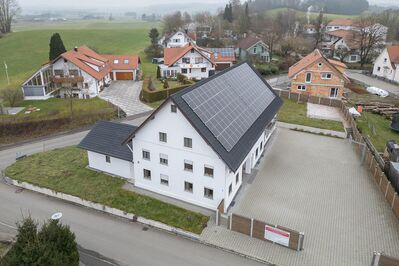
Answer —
381 133
64 170
25 50
295 113
273 12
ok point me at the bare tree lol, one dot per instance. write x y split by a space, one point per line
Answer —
8 10
11 96
370 38
319 26
172 22
342 52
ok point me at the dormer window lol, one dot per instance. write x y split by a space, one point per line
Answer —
126 61
116 61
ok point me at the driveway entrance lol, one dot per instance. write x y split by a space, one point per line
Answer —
125 95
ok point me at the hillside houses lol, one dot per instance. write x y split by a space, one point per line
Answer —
80 73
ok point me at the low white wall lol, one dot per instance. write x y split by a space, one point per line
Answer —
115 166
101 207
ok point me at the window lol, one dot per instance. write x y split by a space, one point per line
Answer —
237 177
176 40
188 186
147 174
203 69
326 75
308 77
385 60
188 143
230 189
199 60
107 159
163 137
188 165
186 60
184 70
257 152
146 155
86 85
173 108
333 92
254 50
301 87
74 72
116 61
208 193
126 61
353 58
261 145
164 180
59 72
208 171
320 64
378 68
163 159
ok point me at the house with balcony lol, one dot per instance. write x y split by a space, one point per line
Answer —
177 39
80 73
386 65
316 75
199 146
252 47
189 60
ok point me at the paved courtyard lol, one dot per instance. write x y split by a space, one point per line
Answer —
126 95
324 112
314 184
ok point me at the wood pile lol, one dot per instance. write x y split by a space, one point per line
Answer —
384 109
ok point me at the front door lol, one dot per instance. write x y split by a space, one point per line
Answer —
333 92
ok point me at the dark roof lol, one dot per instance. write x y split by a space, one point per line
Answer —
107 138
232 156
249 41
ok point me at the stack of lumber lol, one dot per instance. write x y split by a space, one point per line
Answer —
385 109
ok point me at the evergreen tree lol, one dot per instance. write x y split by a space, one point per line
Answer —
56 46
154 36
165 84
158 72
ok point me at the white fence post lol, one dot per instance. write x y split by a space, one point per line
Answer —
252 226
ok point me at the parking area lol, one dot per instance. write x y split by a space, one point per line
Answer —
316 185
126 95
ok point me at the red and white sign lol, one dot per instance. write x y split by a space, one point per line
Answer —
277 235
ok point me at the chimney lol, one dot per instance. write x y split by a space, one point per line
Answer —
75 49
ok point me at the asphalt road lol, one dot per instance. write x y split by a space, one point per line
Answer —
103 239
370 81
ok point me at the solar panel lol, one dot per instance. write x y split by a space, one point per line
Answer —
225 52
229 104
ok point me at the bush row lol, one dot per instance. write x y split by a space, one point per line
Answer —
150 95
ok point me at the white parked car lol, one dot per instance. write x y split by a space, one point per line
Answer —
377 91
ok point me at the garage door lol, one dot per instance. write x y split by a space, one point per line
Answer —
124 75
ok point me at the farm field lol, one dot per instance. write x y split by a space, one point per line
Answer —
27 48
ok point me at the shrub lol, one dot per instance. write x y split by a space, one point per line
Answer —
181 78
11 96
165 84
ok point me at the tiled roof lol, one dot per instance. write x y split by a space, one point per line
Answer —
171 55
107 138
393 52
248 42
132 61
341 22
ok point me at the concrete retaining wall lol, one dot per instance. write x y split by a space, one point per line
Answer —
102 208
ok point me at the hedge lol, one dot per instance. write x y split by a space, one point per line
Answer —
158 95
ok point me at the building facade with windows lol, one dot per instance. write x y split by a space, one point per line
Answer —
252 47
177 39
200 144
316 75
386 65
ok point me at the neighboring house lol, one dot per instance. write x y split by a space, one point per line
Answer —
341 24
177 39
252 46
203 31
200 145
189 60
315 75
387 64
343 40
80 73
309 29
222 57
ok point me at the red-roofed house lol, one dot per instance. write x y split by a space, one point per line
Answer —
189 60
343 40
318 76
387 64
80 73
341 24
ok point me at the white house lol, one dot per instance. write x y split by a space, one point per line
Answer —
189 61
177 39
80 73
201 143
387 64
341 24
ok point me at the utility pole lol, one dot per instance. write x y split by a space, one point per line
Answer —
6 67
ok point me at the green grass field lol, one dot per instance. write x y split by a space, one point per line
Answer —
64 170
295 113
26 49
327 16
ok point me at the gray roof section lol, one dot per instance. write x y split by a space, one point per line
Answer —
107 138
232 151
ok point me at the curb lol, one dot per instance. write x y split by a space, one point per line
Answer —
102 208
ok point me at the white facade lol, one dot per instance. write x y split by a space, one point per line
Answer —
383 67
113 166
177 40
340 27
193 65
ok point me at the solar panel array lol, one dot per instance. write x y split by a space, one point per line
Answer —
225 52
229 104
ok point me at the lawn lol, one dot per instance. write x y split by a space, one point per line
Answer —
27 49
377 129
295 113
64 170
